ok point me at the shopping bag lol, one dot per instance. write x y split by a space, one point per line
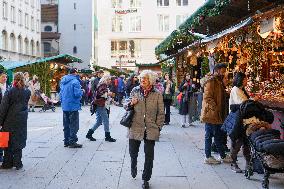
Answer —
4 139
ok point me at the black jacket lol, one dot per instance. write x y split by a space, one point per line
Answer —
14 116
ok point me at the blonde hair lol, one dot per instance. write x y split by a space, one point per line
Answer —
19 80
150 74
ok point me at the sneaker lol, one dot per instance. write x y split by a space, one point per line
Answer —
211 160
227 159
75 145
145 185
235 168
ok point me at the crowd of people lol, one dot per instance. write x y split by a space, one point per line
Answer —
148 95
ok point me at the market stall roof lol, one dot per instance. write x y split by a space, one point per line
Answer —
148 65
216 15
176 40
227 31
61 59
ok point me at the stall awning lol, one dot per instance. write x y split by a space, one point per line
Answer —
60 59
9 65
227 31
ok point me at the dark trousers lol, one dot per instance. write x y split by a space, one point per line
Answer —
236 146
12 157
120 97
167 104
1 152
71 126
149 156
215 131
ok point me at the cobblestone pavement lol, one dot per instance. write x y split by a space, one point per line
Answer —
101 165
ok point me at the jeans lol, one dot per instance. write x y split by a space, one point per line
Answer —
71 126
120 97
149 155
215 131
167 104
101 117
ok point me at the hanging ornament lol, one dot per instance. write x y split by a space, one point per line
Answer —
248 6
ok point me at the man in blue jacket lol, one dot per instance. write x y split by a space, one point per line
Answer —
70 96
121 90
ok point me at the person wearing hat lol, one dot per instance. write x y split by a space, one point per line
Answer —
70 97
3 88
34 86
213 114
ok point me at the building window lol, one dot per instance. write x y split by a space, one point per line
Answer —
4 40
32 48
126 49
135 23
20 45
32 23
32 3
163 3
47 28
5 10
117 24
163 21
135 48
75 50
26 46
75 7
182 2
37 49
46 47
13 14
116 3
180 19
135 3
26 20
74 27
20 18
13 42
37 25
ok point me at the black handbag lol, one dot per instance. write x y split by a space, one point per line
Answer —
126 120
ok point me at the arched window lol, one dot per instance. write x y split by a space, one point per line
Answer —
26 46
20 44
74 50
13 42
4 40
32 47
37 49
47 28
46 47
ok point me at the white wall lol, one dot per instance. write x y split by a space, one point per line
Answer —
150 35
15 28
82 36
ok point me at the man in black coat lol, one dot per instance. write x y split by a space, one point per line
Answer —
3 79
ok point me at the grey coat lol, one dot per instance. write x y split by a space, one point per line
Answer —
148 116
14 116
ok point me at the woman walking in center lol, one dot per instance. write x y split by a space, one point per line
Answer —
13 119
102 94
147 121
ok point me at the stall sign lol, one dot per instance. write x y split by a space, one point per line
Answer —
126 11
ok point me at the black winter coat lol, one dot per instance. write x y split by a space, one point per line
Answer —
14 116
